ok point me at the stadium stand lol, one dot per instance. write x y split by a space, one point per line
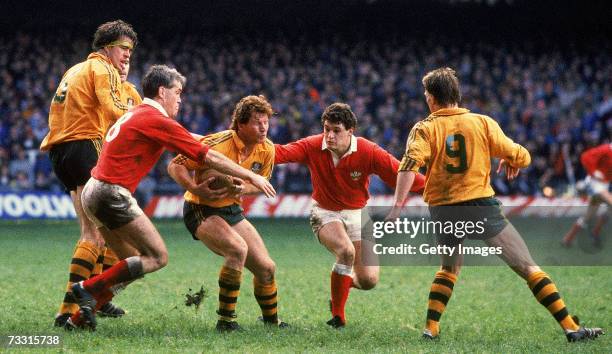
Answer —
556 102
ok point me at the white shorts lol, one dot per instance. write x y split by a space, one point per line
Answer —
595 186
350 218
108 204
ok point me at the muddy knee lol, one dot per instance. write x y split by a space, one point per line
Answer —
346 254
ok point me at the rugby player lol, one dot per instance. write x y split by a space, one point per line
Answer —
107 258
598 164
456 146
131 148
340 166
88 100
131 96
219 222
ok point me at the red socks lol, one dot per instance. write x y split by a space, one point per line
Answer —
340 287
116 274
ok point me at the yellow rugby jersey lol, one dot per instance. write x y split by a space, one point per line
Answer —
87 102
227 142
130 96
456 146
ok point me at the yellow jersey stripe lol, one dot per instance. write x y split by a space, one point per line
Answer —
116 100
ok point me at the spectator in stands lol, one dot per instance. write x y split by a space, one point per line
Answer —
562 96
21 164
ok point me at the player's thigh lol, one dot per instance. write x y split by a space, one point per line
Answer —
142 235
89 231
607 197
250 235
592 208
514 250
601 197
114 207
220 237
109 205
258 259
121 248
334 237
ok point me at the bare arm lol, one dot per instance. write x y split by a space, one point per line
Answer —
405 179
248 188
221 163
182 176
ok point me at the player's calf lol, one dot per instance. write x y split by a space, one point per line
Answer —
229 290
547 294
439 294
341 282
266 295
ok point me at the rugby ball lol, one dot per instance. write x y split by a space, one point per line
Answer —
221 180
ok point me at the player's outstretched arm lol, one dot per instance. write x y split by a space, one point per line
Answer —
292 152
221 163
386 166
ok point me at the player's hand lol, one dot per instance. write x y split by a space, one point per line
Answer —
203 190
238 188
263 185
511 172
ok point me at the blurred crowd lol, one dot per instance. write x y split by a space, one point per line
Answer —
556 103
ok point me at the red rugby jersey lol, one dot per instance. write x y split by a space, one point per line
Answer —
344 186
134 144
598 158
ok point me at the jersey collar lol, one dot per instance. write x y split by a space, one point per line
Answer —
100 56
450 111
352 148
155 105
239 143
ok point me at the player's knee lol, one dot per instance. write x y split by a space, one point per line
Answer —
346 254
93 237
155 262
162 260
368 282
267 270
237 251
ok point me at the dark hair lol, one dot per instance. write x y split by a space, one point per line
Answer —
160 75
340 113
109 32
248 105
443 85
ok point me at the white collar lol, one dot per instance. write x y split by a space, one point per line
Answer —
156 105
352 147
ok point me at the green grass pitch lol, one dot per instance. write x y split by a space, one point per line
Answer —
492 309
